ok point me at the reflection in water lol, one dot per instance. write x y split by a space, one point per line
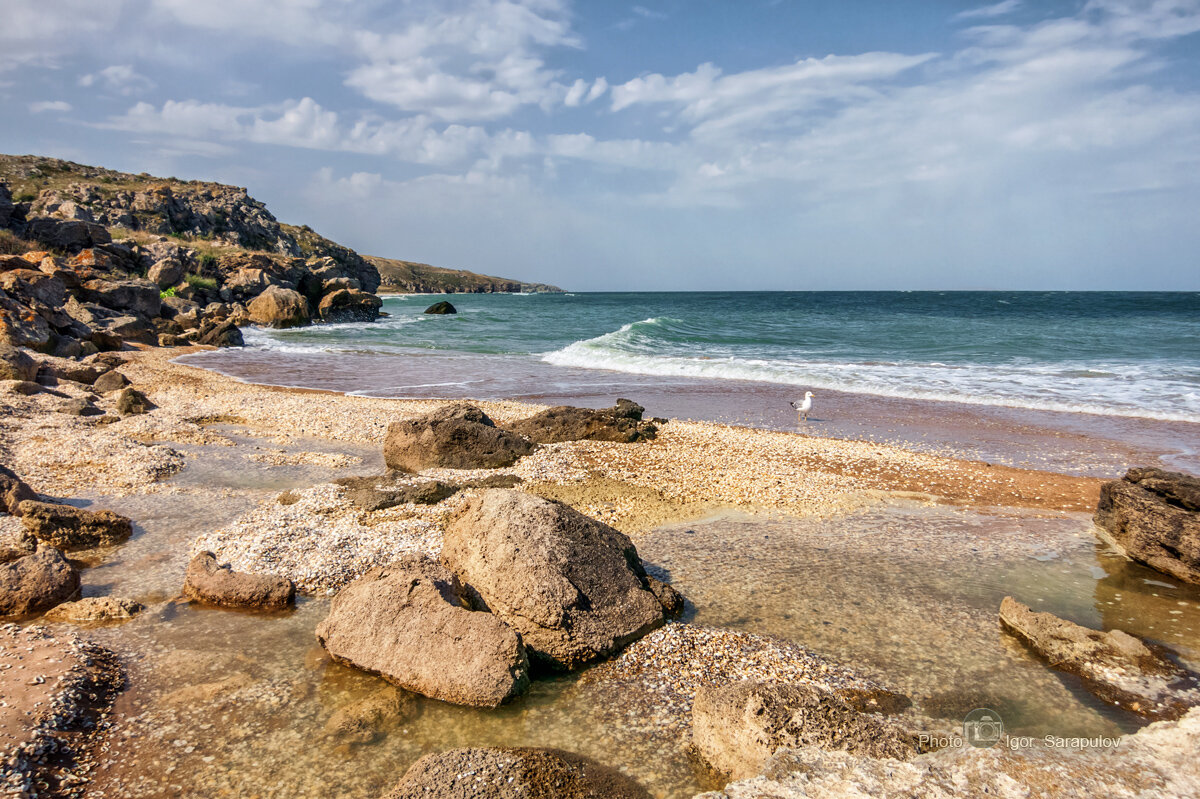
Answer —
226 703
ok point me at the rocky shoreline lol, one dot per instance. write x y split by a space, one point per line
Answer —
505 467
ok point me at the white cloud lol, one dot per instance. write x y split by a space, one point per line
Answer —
118 78
42 106
993 10
46 32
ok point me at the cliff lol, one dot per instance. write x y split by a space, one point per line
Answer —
410 277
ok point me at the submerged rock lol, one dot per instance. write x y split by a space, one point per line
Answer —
1153 517
213 584
442 307
455 436
622 423
36 583
498 773
737 727
365 721
573 587
68 527
95 609
1116 666
408 623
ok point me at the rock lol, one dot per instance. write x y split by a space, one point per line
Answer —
95 609
1153 516
22 387
25 285
71 370
16 544
36 583
6 206
21 326
78 407
671 600
129 294
500 773
13 491
131 402
69 528
573 587
15 364
375 499
407 623
110 381
174 308
364 721
349 305
166 273
737 727
622 423
442 307
455 436
1115 666
66 235
223 334
279 307
213 584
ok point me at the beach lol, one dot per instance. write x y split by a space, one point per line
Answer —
881 558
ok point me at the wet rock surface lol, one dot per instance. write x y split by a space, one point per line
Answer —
1116 666
1153 516
211 583
737 727
409 623
94 610
442 307
573 587
499 773
622 423
364 721
455 436
70 528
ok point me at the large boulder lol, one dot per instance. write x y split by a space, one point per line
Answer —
1115 666
68 527
13 491
21 326
737 727
408 623
28 285
131 294
573 587
15 364
279 307
441 308
622 423
220 334
501 773
36 583
211 583
455 436
69 235
349 305
1153 516
166 273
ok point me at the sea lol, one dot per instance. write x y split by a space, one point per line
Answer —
1082 382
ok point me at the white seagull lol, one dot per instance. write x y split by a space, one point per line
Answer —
803 407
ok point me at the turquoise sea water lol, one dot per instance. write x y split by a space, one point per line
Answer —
1118 354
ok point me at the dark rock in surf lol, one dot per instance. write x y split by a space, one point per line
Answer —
442 307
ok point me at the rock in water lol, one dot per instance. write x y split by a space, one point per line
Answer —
737 727
36 583
13 491
68 527
622 423
408 623
1116 666
573 587
95 610
279 307
498 773
442 307
349 305
1153 516
365 721
213 584
455 436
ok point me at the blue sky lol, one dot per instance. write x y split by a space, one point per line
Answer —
662 145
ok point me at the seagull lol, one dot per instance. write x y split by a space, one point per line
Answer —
803 407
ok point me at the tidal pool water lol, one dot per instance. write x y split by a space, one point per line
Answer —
235 704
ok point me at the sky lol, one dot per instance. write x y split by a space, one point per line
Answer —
665 145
